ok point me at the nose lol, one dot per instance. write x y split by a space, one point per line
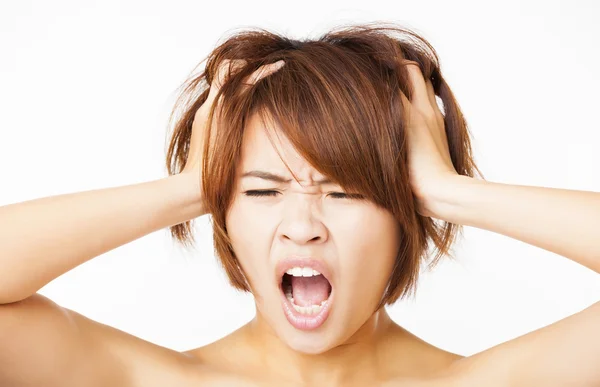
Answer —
302 222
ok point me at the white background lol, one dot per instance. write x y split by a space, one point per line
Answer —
85 92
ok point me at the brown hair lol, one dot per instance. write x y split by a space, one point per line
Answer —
336 99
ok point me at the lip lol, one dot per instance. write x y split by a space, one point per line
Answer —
295 318
306 322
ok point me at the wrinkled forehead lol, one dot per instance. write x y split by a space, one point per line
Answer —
266 148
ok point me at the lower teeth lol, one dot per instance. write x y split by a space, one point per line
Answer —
308 310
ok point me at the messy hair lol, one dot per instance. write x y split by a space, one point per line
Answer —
337 101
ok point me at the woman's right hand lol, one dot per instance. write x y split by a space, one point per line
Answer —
193 163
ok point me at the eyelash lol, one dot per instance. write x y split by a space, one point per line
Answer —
265 193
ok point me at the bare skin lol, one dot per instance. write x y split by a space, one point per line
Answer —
68 349
117 357
393 354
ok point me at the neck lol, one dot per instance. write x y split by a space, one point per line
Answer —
362 353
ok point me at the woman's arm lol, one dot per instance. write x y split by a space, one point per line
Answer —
565 222
43 238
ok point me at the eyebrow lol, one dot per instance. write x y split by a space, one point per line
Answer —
279 179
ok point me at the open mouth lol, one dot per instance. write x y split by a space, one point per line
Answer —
307 296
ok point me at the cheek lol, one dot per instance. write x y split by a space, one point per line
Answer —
247 227
368 247
250 236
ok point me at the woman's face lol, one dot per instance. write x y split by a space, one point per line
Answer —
350 241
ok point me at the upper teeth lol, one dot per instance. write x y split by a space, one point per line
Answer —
302 272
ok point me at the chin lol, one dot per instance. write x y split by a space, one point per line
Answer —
308 344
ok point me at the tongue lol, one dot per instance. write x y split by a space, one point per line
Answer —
310 290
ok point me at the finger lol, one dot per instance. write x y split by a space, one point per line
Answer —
231 66
420 98
424 101
259 73
225 69
441 132
236 64
411 116
441 138
433 101
263 71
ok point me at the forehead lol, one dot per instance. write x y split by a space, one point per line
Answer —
260 146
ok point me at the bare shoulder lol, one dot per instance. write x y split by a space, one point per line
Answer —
415 362
147 364
68 349
151 365
544 356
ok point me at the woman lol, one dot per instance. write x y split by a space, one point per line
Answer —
328 169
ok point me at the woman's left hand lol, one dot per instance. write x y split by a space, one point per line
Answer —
430 165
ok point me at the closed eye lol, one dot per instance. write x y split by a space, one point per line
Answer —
337 195
261 193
